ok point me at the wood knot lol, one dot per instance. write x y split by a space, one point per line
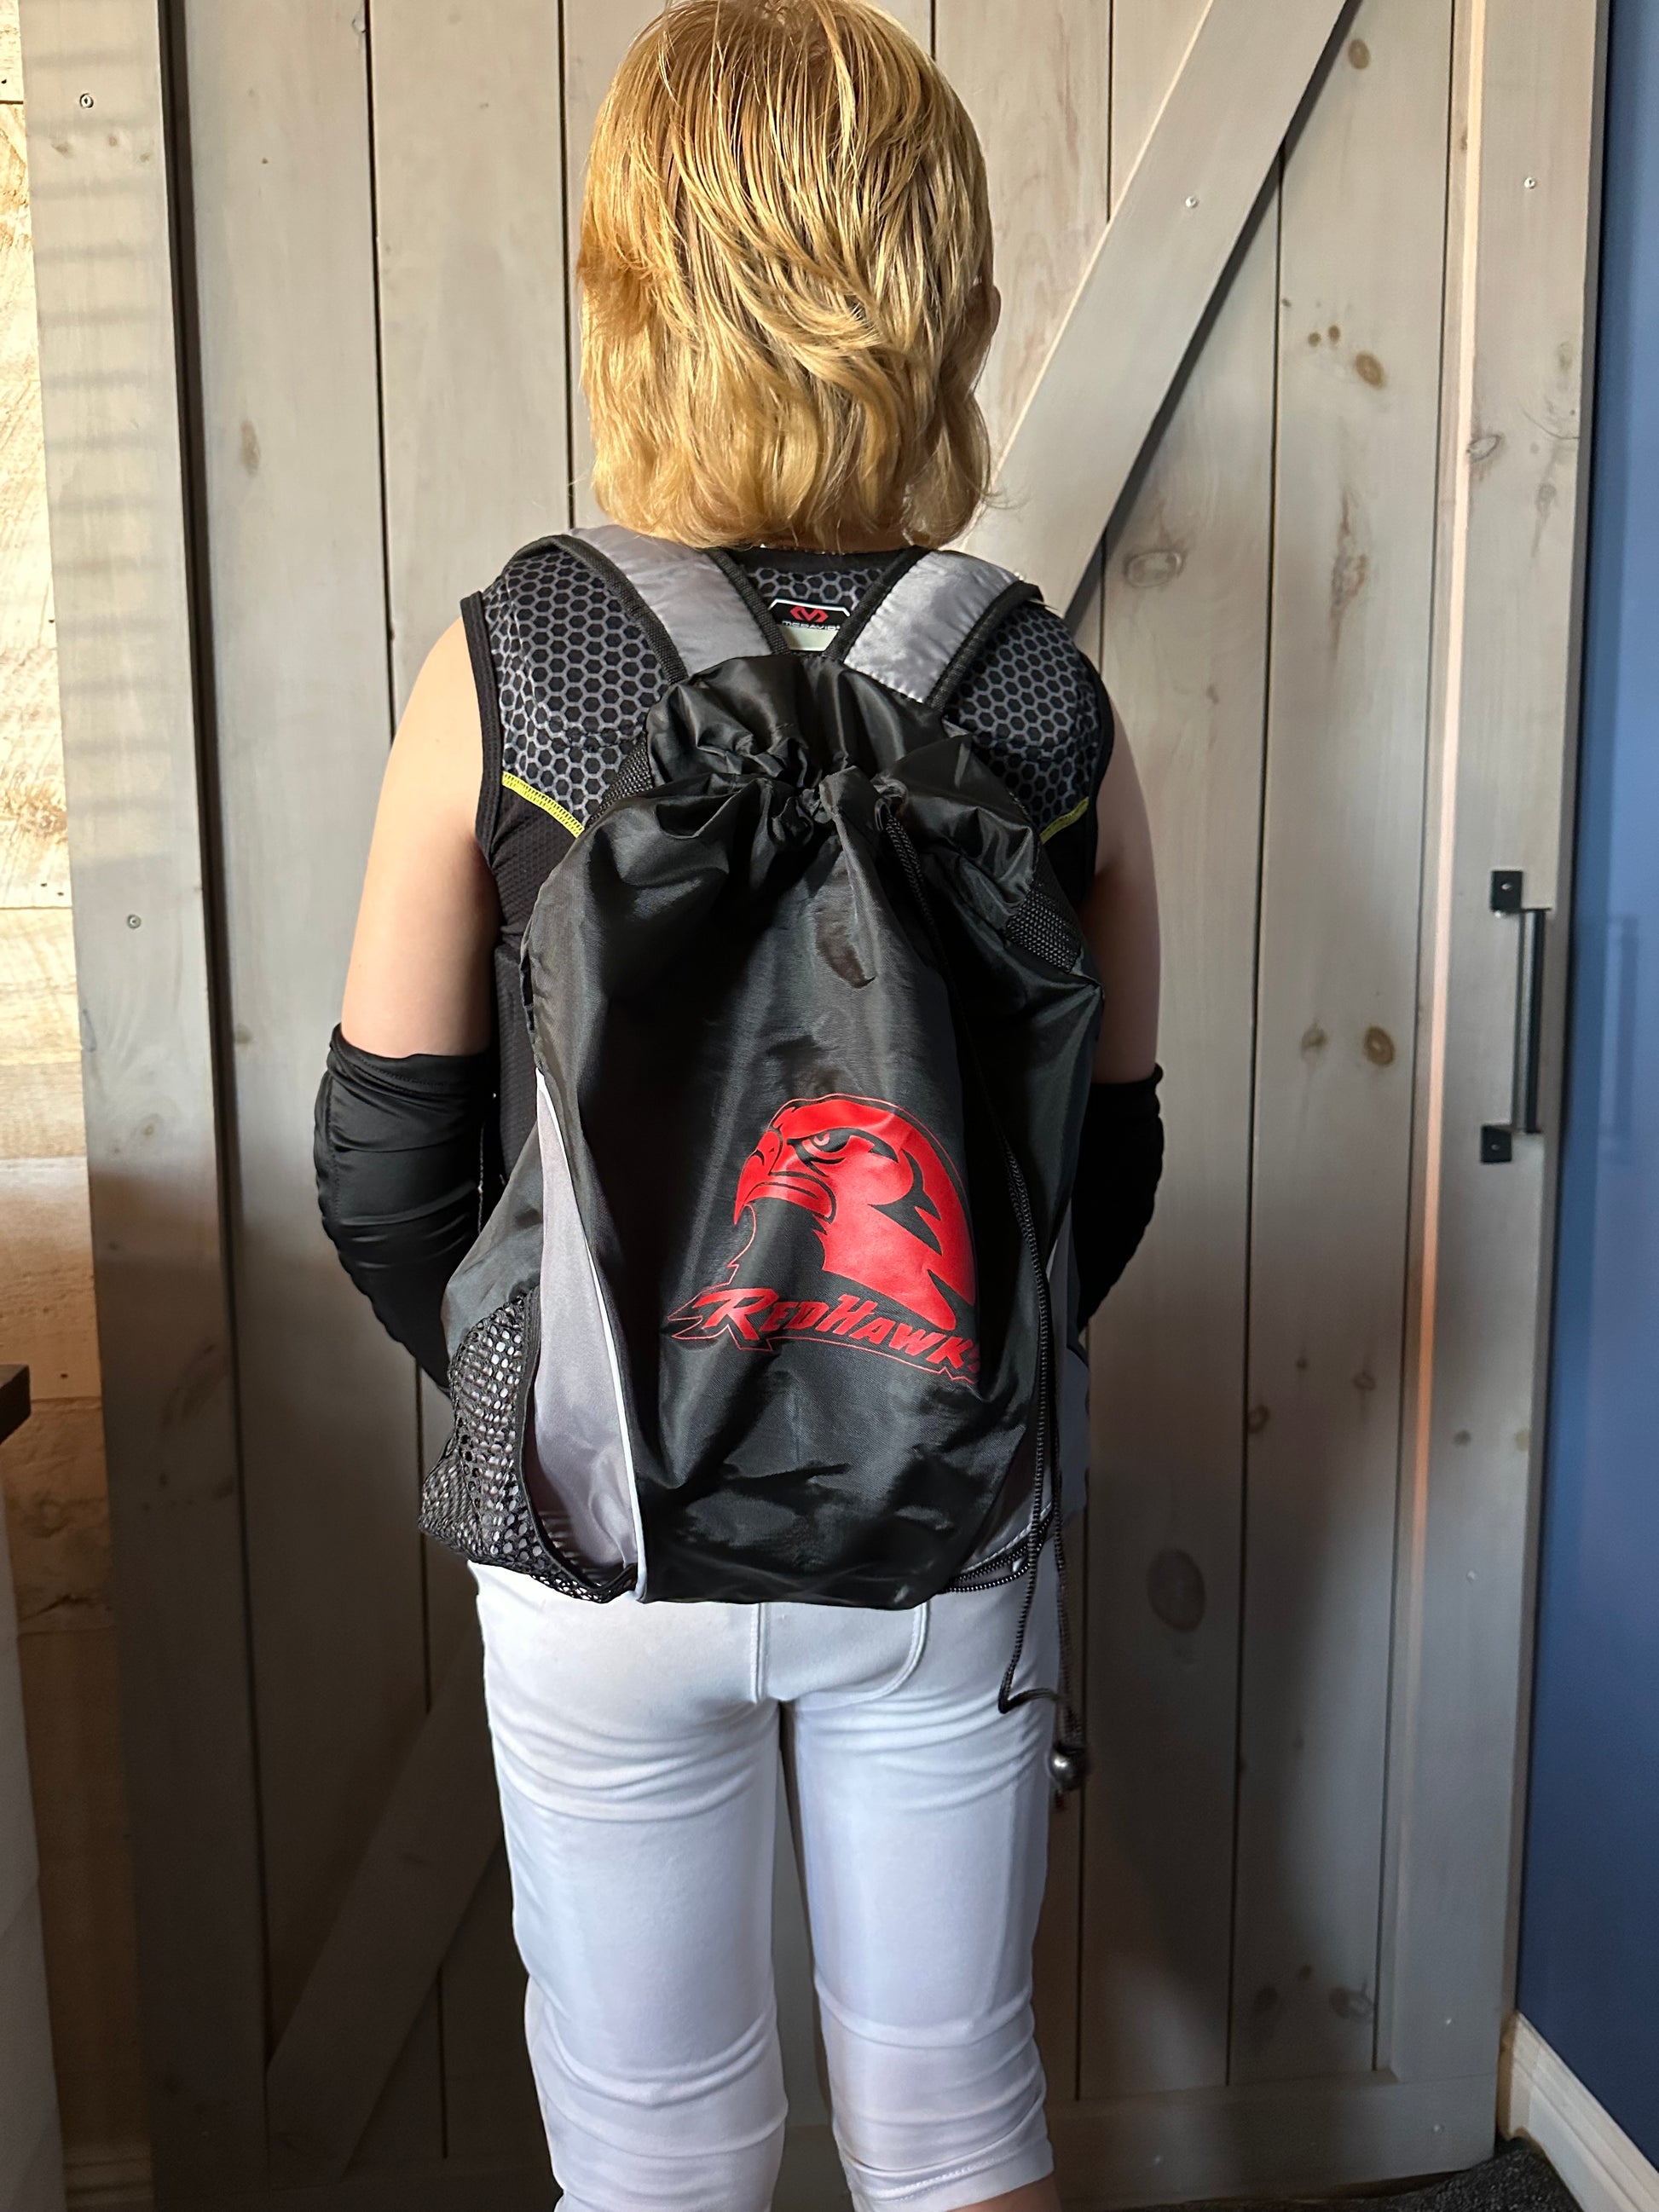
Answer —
1369 369
1175 1591
1144 572
1379 1047
1359 54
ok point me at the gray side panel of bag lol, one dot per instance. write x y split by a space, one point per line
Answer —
914 635
578 1467
698 606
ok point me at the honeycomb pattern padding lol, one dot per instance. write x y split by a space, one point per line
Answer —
841 583
474 1500
1040 925
576 676
1029 704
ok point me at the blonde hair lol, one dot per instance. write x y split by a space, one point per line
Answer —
786 271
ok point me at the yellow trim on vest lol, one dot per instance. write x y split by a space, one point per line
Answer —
1065 820
562 814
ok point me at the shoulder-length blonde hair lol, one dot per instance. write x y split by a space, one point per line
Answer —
786 272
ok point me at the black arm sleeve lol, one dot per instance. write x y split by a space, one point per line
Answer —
400 1157
1118 1168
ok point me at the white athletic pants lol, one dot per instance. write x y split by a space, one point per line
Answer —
637 1750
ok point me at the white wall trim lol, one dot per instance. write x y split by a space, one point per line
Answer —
1540 2097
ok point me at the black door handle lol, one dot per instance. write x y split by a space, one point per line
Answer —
1497 1138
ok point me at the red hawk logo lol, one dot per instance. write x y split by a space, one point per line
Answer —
889 1214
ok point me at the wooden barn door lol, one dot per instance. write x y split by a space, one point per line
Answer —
308 331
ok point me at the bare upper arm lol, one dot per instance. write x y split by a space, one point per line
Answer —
1120 919
420 974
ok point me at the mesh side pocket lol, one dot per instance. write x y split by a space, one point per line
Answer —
1039 925
631 781
474 1500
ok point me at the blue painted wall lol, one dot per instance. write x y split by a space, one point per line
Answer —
1589 1951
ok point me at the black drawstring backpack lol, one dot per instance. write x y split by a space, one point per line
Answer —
776 1302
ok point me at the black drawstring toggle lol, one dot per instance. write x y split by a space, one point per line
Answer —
1069 1764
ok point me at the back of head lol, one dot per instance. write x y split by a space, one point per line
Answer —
786 270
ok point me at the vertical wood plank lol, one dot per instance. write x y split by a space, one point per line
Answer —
110 375
1185 658
53 1472
1150 40
597 34
291 458
1520 344
1057 1989
1041 105
1041 101
1360 288
469 207
470 244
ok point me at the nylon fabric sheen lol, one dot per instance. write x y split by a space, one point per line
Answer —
816 1026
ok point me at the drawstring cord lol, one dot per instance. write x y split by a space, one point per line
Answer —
1069 1762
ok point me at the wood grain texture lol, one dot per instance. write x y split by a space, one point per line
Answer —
110 377
1146 287
1151 40
11 56
82 1809
474 407
54 1472
34 818
1183 655
1507 627
57 1510
490 2111
597 34
1042 104
1041 107
40 1110
472 301
46 1287
280 131
486 2186
34 843
1360 286
1185 659
439 1829
1058 1993
31 2159
917 18
25 555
